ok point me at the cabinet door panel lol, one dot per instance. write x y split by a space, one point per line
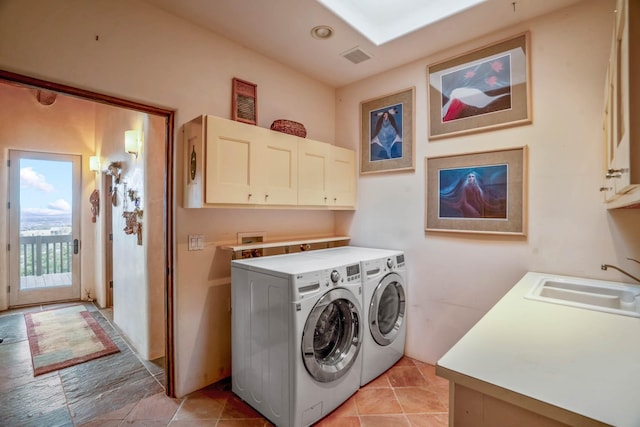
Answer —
278 174
343 177
229 156
313 180
232 162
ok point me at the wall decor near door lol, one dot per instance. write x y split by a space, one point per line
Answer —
485 89
483 192
387 133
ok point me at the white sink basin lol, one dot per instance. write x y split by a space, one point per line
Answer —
609 297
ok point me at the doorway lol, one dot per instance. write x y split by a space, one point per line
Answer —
44 227
166 224
107 188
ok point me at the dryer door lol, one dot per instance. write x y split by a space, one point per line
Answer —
386 312
331 336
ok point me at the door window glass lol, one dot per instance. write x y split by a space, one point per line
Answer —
389 308
331 333
331 337
386 312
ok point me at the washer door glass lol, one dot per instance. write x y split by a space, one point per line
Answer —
386 312
331 337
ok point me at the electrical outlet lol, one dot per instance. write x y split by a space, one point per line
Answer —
249 237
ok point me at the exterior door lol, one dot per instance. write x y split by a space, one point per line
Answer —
44 232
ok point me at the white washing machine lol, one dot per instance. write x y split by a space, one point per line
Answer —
296 335
384 285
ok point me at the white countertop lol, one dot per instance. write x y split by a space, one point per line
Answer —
584 361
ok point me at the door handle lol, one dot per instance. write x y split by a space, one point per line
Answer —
76 246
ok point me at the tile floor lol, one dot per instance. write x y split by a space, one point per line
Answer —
408 394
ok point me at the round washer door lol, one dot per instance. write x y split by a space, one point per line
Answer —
386 312
331 336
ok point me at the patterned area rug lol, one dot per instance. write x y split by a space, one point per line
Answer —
64 337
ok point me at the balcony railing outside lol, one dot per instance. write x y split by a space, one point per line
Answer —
44 256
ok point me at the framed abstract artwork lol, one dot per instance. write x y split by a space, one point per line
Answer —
486 89
387 133
484 192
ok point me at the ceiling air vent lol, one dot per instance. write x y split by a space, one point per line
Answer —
356 55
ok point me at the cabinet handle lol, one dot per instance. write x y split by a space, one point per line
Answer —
621 170
615 173
266 196
335 200
250 195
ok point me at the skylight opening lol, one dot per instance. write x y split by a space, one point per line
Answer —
381 21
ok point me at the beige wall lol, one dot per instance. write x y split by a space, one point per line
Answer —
146 55
455 278
138 270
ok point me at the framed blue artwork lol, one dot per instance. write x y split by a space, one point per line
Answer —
387 133
482 192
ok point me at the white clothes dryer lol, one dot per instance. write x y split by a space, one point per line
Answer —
296 335
385 292
384 285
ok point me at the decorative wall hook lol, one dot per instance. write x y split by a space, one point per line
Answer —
115 170
94 199
132 226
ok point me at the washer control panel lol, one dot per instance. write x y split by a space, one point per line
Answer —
353 272
308 284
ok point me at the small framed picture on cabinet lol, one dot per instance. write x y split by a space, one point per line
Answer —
244 101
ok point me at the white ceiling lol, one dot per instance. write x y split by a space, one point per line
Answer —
280 29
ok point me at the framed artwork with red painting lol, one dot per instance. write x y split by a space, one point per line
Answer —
486 89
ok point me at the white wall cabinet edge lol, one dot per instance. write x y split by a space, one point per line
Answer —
622 111
232 164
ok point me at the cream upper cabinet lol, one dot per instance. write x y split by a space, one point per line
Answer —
228 163
622 110
232 163
326 176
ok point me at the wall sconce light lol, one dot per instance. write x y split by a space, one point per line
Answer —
132 141
94 164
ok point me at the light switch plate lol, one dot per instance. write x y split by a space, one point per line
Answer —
196 242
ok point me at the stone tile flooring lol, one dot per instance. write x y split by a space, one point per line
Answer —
122 390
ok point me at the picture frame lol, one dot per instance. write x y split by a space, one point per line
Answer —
482 90
244 101
481 192
387 133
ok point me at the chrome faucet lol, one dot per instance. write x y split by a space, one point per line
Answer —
605 266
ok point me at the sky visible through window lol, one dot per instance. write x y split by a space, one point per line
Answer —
45 194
